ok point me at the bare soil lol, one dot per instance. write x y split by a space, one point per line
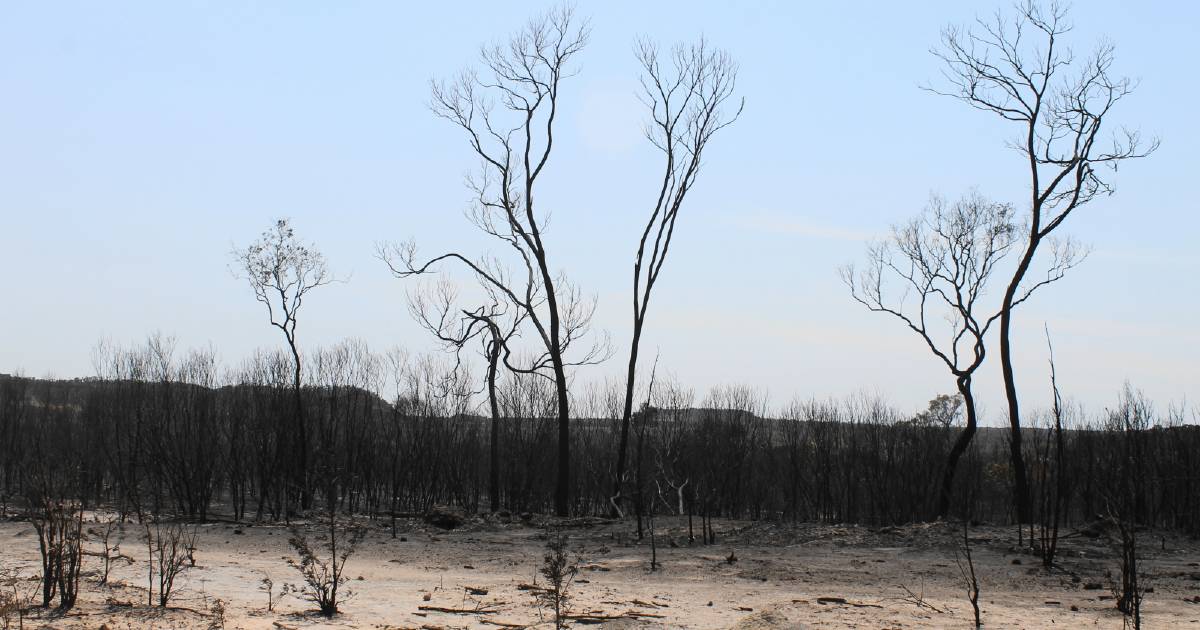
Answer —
757 576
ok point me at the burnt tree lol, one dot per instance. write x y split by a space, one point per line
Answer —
493 324
688 95
1017 68
514 145
944 260
282 270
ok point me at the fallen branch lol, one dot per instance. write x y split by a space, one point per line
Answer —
919 600
596 617
482 610
100 554
191 610
838 600
502 624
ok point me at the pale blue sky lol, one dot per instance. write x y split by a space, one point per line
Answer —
138 141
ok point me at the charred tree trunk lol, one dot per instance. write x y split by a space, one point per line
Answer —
1022 501
960 445
300 432
494 454
626 413
562 487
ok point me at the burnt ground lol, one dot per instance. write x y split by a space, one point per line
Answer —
758 575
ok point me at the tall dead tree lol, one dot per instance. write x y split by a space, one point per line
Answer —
944 260
493 324
688 95
1017 67
282 270
514 146
1053 474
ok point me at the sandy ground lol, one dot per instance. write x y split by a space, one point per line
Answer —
778 580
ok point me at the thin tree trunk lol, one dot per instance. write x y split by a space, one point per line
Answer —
494 464
562 501
960 446
301 431
1021 496
627 412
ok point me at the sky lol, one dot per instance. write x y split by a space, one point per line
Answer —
140 142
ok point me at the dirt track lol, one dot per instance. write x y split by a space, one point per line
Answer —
817 576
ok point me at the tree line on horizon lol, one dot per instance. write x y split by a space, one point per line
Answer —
161 434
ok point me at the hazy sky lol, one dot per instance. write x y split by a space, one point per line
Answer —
140 141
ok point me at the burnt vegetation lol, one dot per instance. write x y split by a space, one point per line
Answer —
857 460
345 434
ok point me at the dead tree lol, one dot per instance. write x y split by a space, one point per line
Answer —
1054 474
1019 69
523 77
1129 422
112 548
944 260
322 563
59 526
282 270
688 101
171 548
494 324
644 419
14 600
966 569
